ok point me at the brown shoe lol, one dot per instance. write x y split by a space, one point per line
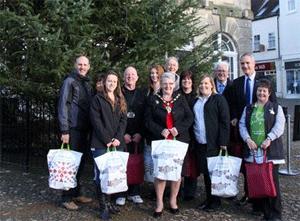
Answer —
70 205
83 199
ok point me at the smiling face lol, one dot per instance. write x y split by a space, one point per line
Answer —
130 77
111 83
222 72
205 87
154 75
172 66
187 83
82 65
168 86
262 94
248 65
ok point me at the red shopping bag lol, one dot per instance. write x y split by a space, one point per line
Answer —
260 179
190 167
135 167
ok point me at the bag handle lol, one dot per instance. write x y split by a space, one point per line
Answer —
63 146
265 156
110 149
221 151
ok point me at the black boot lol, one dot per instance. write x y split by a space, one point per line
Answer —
103 204
114 209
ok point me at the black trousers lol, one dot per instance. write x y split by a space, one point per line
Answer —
78 142
201 151
271 206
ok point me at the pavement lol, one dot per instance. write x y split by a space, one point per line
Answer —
26 196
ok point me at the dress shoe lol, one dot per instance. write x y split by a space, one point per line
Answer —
188 198
157 214
83 199
211 207
243 201
174 210
202 205
70 205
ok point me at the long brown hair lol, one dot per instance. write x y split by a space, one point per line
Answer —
120 100
160 71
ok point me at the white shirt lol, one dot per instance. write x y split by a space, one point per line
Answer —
252 77
199 124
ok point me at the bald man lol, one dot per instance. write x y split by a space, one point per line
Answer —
73 117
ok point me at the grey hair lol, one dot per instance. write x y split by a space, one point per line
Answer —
169 59
248 54
129 67
219 63
168 75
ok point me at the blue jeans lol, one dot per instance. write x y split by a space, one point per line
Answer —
96 152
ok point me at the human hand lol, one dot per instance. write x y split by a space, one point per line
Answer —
127 138
65 138
137 138
173 131
266 143
115 142
165 133
234 122
223 147
251 144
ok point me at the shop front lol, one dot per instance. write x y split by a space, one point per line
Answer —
292 70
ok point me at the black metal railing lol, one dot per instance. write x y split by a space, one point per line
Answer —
28 129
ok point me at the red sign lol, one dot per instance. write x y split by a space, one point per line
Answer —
269 66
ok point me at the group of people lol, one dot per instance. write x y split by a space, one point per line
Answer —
215 114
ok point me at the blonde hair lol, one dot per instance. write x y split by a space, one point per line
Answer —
214 91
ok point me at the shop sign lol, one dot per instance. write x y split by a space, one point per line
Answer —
292 65
268 66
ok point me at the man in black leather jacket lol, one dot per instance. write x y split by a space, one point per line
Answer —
74 123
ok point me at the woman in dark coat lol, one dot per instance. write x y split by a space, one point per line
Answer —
108 118
211 129
189 170
167 116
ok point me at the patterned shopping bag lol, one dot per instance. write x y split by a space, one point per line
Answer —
63 166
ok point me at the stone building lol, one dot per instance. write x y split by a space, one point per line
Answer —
229 21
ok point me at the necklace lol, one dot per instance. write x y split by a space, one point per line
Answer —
167 103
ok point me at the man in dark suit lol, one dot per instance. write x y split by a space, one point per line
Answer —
221 79
241 93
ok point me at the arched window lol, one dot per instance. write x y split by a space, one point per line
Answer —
223 45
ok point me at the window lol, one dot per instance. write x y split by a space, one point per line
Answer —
256 42
291 5
293 81
271 40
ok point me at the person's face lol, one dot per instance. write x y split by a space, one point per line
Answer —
154 75
205 87
172 66
248 65
168 86
111 83
99 85
130 77
187 83
82 65
222 72
262 94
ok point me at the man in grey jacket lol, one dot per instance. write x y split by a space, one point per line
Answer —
73 116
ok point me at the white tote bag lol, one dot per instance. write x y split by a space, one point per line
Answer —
112 166
168 156
63 166
224 173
